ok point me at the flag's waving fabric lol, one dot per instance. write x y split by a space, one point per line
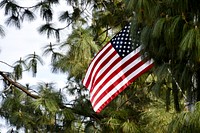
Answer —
115 67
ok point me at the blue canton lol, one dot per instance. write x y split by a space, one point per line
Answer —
122 42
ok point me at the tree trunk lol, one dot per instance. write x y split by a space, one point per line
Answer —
168 91
190 99
175 95
198 84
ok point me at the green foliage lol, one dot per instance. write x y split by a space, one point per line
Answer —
19 67
82 49
90 128
28 15
33 60
2 32
159 25
169 35
155 118
186 121
171 38
46 12
18 72
49 31
51 49
191 42
43 114
13 21
128 127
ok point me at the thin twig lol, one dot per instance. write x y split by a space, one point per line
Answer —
7 64
6 89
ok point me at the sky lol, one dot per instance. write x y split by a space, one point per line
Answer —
20 43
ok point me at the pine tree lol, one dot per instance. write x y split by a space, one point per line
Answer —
169 34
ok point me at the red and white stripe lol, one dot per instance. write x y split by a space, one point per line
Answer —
109 74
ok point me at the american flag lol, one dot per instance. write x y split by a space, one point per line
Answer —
114 68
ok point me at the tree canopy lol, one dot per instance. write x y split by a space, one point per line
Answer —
169 34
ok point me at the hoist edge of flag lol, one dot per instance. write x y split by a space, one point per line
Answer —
85 79
98 68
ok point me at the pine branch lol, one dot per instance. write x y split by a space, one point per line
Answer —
19 86
76 111
85 113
